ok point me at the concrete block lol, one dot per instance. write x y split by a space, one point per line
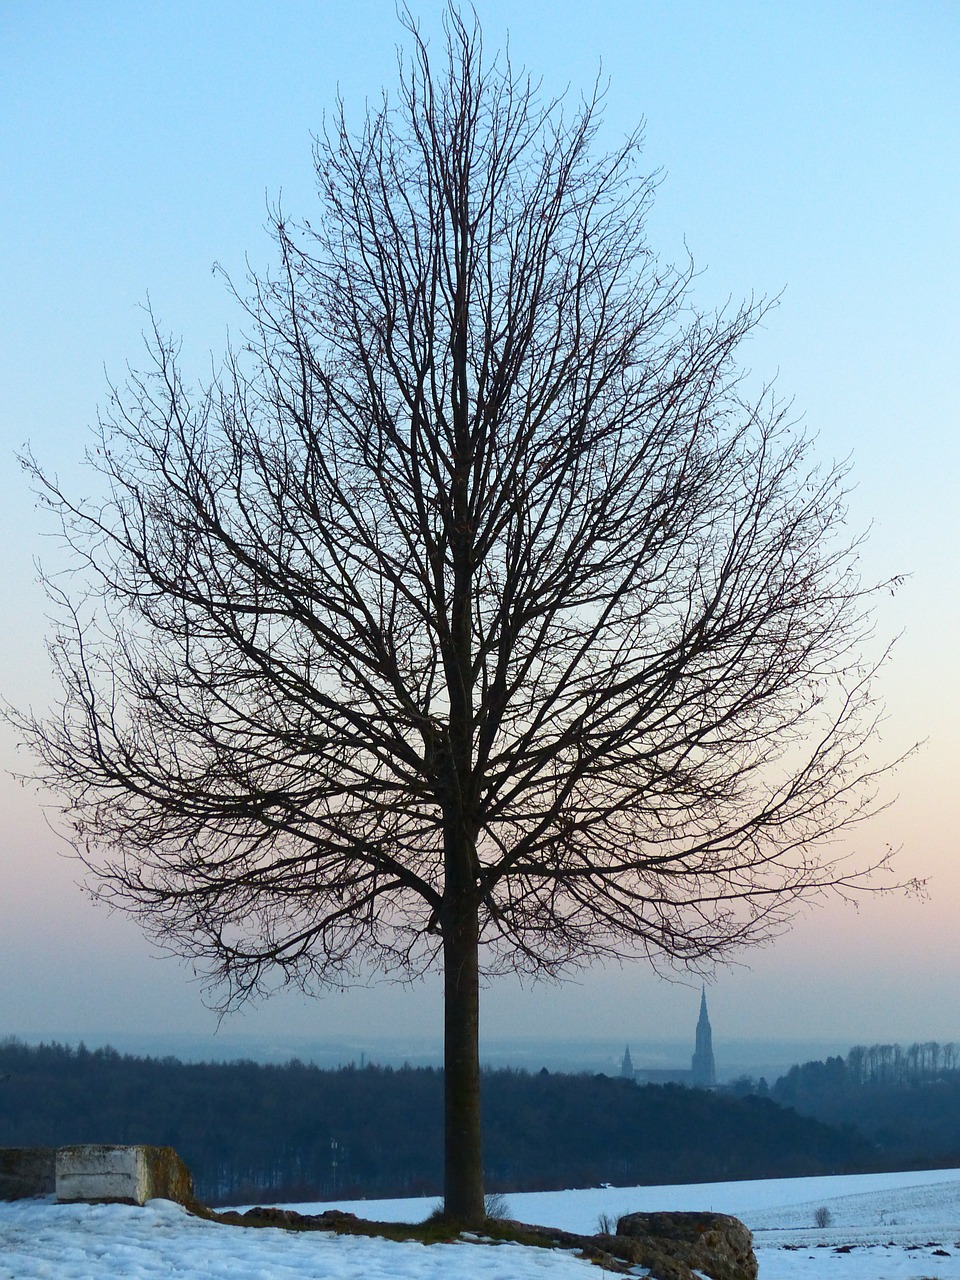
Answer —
130 1175
26 1172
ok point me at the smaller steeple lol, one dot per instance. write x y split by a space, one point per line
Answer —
626 1066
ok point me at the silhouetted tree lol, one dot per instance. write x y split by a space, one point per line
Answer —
473 610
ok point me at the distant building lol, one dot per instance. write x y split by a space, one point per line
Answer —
703 1070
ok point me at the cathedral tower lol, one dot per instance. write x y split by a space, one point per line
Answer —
704 1071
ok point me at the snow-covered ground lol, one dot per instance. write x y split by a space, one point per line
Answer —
886 1226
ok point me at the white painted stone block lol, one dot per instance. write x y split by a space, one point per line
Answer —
134 1174
93 1172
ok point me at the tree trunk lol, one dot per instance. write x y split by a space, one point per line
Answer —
463 1151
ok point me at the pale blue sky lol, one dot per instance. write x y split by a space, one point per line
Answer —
810 147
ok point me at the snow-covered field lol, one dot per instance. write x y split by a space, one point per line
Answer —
886 1226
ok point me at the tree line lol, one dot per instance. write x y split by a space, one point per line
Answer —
905 1100
296 1132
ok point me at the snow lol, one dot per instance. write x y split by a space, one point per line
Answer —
791 1201
890 1226
45 1241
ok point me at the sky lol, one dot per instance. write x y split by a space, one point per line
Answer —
808 150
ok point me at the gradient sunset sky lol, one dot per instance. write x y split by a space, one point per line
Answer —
810 149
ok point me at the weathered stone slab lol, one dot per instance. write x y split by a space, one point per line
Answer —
129 1175
715 1244
27 1172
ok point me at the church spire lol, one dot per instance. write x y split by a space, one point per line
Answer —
703 1068
626 1066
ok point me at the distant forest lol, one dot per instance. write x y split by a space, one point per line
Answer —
296 1132
905 1101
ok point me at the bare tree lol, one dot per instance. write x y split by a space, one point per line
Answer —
473 611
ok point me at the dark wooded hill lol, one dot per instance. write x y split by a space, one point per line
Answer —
905 1100
255 1133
